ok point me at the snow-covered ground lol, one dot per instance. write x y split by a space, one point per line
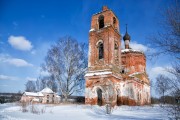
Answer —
81 112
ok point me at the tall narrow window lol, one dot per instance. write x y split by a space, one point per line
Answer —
114 23
99 94
101 51
101 21
116 58
114 20
115 46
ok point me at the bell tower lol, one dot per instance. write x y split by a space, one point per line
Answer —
104 41
104 57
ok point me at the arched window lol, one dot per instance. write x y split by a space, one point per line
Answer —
115 46
114 20
101 50
99 95
116 56
101 21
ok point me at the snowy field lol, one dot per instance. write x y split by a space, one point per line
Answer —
12 111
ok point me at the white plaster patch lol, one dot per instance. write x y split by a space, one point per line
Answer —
89 54
136 73
97 73
90 93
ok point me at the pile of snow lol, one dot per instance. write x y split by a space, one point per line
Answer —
83 112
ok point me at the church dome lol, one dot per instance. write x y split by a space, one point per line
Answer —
126 37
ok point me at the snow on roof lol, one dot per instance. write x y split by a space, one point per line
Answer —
92 29
130 50
33 94
47 90
97 73
97 13
40 94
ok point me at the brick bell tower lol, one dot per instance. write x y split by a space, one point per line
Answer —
104 62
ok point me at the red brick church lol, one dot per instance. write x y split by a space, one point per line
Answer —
116 76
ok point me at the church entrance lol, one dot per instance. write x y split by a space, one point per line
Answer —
99 94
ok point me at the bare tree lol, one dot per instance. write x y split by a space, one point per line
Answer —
51 83
174 81
167 41
171 87
162 85
66 62
30 86
38 84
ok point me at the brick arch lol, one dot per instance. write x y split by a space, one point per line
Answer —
98 87
116 46
118 96
100 93
100 47
99 41
99 97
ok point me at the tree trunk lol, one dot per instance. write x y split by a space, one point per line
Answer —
66 98
163 98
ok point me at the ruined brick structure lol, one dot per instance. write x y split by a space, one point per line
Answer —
114 76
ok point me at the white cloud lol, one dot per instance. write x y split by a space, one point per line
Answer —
31 79
137 46
5 58
18 62
155 71
4 77
20 43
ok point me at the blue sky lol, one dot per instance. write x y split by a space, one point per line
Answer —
39 23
